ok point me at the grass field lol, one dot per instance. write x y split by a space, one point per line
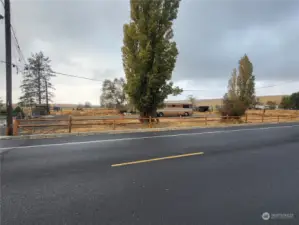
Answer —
253 117
2 117
262 99
87 112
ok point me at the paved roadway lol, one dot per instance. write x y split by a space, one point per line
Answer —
243 172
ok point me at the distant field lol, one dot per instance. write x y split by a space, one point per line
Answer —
80 124
87 112
274 112
262 99
2 117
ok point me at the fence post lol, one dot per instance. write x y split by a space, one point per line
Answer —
246 117
150 122
278 119
113 124
206 120
70 124
15 127
263 117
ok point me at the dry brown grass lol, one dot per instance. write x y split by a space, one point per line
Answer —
274 112
268 112
253 117
87 112
213 119
263 99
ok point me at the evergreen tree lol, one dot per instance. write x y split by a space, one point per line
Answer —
294 98
286 102
1 103
149 54
36 84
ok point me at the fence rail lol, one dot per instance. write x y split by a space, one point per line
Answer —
43 125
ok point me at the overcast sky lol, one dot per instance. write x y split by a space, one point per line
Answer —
84 37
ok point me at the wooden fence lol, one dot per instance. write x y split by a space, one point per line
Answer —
69 125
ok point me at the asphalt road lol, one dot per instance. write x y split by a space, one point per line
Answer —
243 172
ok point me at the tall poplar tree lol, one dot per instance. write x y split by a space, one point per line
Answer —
241 89
149 54
246 81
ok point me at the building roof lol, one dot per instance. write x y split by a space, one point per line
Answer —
178 102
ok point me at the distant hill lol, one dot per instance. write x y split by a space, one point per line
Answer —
199 102
262 99
218 101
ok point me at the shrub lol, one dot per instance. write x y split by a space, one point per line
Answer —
3 111
18 111
232 109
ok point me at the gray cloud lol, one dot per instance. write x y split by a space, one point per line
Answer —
84 37
213 35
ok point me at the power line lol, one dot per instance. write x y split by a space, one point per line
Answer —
75 76
268 86
13 65
93 79
69 75
17 44
275 85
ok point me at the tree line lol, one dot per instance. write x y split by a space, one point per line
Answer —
290 102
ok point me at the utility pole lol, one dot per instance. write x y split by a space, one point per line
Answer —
9 124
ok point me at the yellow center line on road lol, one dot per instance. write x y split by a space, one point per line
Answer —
157 159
